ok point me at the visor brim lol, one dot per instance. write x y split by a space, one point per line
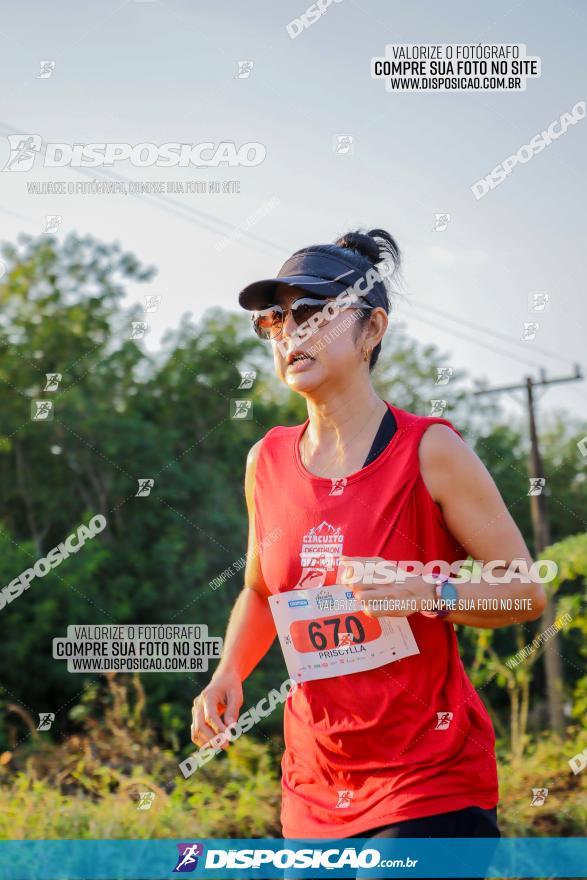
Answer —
260 294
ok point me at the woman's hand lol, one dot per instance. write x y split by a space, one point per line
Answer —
378 599
223 695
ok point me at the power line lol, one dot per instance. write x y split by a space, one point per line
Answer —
208 223
495 333
533 383
507 354
186 212
541 529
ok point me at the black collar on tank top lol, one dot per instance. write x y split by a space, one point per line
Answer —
386 430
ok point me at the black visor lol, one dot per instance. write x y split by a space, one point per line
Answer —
322 275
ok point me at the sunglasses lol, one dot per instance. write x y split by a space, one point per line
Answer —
268 323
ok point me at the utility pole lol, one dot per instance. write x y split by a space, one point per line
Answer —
541 530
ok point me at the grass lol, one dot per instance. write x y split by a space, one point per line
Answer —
238 797
89 785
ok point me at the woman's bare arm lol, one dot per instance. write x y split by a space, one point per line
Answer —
477 516
251 630
249 635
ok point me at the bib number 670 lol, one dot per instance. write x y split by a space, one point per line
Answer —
353 627
328 633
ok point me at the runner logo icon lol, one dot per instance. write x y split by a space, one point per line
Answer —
338 485
344 799
187 860
444 719
345 640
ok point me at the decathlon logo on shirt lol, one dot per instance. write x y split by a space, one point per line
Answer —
320 553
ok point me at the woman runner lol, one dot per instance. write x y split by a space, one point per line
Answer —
403 748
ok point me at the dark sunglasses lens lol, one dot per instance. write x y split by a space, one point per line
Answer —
267 323
304 309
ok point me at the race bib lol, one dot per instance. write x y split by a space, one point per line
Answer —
323 633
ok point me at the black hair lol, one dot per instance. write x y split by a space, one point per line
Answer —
365 250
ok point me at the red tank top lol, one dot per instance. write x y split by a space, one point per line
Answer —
380 746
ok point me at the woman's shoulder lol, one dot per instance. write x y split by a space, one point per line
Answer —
417 423
276 434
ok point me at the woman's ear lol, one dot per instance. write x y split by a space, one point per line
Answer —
375 329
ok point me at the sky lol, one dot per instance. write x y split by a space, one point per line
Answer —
167 71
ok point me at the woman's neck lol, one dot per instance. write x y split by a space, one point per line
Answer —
340 431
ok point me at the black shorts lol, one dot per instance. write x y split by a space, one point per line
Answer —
469 822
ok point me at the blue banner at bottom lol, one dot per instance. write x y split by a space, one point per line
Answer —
291 859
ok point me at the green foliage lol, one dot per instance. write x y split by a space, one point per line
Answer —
240 797
121 415
89 785
545 765
503 453
569 590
